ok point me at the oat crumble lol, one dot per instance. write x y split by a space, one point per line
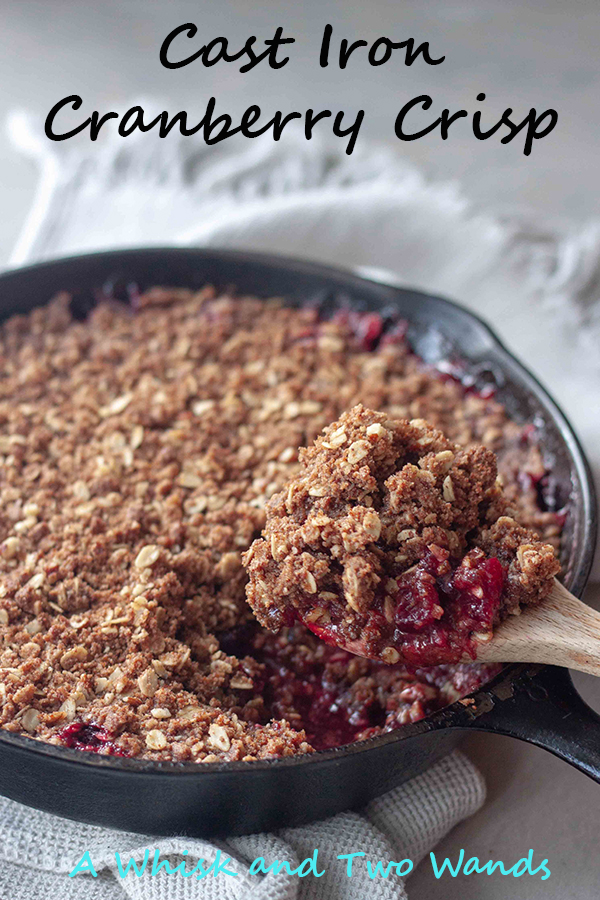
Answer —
396 544
137 451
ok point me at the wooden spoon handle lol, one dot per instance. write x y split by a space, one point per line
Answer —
561 631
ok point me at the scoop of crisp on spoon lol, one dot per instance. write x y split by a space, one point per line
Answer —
396 544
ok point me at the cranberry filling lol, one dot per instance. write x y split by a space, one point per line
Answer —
367 328
329 719
478 383
93 738
439 610
309 685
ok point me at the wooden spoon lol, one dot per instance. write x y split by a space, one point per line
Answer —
561 631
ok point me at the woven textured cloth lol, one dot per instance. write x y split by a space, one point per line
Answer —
38 850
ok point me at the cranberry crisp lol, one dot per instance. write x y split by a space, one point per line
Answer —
396 544
138 448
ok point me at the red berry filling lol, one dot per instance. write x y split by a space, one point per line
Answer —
93 738
439 610
315 688
328 718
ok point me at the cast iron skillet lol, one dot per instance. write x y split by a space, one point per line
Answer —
533 703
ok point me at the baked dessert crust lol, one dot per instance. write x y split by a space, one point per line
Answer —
138 447
395 543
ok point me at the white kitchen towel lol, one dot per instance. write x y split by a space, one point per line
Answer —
537 285
38 851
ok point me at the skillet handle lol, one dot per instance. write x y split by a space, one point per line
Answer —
539 704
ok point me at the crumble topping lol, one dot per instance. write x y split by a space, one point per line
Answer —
137 450
396 544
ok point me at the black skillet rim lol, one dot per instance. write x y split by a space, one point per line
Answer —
441 719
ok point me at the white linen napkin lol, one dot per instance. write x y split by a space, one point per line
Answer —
37 850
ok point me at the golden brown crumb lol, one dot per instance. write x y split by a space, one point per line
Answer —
395 543
137 451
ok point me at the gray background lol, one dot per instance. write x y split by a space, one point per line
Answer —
541 53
